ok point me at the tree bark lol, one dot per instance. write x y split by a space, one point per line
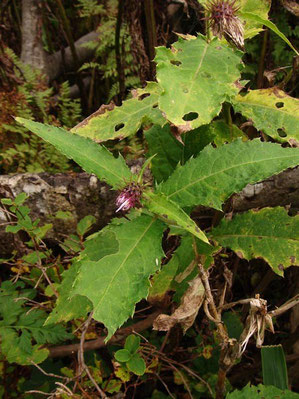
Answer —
33 52
32 47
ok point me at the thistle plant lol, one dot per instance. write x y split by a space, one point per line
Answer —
217 159
224 22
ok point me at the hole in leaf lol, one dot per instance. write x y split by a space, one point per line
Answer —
190 116
155 106
143 96
281 133
119 126
279 105
185 90
177 63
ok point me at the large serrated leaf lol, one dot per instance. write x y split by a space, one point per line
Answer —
92 157
169 151
219 172
271 111
196 78
161 205
69 308
117 282
269 234
262 392
123 121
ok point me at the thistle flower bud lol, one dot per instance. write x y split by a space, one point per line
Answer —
223 21
129 197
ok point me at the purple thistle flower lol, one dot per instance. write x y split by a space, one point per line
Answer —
129 197
224 22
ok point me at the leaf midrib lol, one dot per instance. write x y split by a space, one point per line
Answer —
195 75
122 264
258 237
278 110
224 170
95 161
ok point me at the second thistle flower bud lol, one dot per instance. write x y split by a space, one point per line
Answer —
129 197
224 22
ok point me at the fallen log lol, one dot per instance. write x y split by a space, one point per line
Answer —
82 194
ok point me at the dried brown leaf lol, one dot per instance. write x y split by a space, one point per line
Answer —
186 313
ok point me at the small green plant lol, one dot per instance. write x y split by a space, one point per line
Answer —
130 356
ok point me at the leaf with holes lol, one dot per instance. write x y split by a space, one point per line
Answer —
272 111
196 77
216 173
123 121
161 205
262 392
92 157
115 283
269 234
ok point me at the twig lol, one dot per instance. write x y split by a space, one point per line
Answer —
66 350
164 384
50 395
48 374
82 365
288 305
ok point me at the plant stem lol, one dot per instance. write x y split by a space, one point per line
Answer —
120 72
151 31
260 77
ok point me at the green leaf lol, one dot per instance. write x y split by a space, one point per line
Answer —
262 392
223 133
123 121
100 244
196 78
92 157
161 281
20 199
13 229
6 201
20 325
269 234
274 366
122 355
117 282
233 324
248 16
132 343
161 205
260 8
85 224
69 308
136 364
272 111
216 173
169 151
187 269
